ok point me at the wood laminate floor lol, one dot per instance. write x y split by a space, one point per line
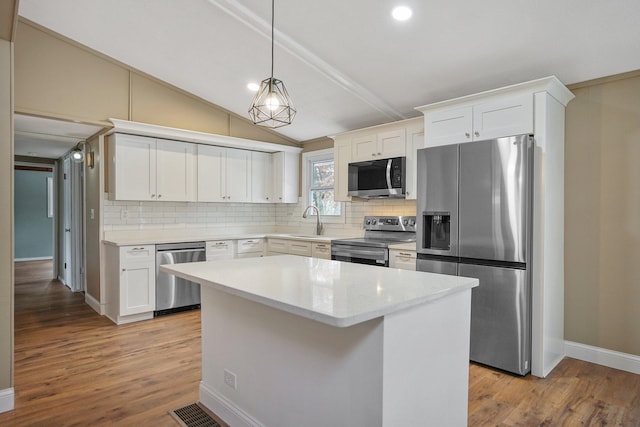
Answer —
76 368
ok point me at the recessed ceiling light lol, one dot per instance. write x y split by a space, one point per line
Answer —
401 13
253 87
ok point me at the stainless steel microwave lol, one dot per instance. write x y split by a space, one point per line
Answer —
378 178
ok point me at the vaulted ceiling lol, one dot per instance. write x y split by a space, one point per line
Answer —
346 63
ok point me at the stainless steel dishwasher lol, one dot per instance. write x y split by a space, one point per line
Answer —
173 293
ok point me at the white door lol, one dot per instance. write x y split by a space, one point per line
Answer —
175 171
65 267
211 173
238 168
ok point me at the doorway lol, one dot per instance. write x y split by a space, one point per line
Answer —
40 140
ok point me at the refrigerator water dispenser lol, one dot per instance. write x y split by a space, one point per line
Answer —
437 230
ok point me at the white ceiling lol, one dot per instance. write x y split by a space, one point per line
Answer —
346 63
46 138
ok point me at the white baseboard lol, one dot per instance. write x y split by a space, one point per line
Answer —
94 304
604 357
43 258
7 399
225 409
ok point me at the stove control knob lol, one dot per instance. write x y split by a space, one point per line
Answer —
405 222
368 222
374 221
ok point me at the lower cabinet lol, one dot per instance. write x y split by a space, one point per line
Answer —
249 248
291 247
278 246
130 277
219 249
321 250
402 259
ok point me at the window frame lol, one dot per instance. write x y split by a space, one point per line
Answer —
307 159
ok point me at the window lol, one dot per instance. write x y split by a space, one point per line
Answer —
319 179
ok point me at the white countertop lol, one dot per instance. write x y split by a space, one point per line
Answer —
404 246
155 240
332 292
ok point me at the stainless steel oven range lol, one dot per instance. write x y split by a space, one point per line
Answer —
373 248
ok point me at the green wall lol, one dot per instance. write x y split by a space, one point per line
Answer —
33 229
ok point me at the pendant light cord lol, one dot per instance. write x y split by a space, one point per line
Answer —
273 7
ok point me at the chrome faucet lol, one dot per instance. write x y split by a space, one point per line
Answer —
319 225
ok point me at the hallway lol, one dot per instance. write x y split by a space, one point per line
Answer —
74 367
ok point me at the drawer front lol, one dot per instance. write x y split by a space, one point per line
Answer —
142 253
278 245
219 249
321 250
250 245
405 260
299 248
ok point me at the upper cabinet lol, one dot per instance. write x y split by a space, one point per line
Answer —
286 171
224 174
398 139
380 145
494 118
262 177
415 141
146 168
194 166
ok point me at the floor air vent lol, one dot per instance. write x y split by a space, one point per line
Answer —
193 416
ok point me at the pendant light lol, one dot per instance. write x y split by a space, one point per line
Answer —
272 105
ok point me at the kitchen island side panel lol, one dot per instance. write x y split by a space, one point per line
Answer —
290 371
426 363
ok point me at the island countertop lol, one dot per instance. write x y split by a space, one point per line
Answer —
332 292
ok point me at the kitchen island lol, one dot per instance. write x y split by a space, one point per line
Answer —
295 341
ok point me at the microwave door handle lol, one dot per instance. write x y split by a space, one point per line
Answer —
389 175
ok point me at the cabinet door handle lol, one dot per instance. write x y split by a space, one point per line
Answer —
159 195
153 196
467 134
476 133
403 254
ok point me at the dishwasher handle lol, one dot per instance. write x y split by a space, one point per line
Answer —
174 247
179 251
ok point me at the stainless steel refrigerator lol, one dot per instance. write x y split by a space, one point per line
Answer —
474 219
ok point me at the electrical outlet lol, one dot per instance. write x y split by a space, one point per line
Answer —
124 214
230 379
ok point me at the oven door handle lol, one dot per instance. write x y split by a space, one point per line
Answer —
361 253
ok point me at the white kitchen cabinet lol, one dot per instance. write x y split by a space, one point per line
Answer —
144 168
415 141
219 249
341 159
130 276
249 248
503 116
261 177
224 174
285 246
402 259
380 145
286 166
321 250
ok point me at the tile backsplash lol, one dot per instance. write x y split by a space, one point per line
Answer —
285 218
